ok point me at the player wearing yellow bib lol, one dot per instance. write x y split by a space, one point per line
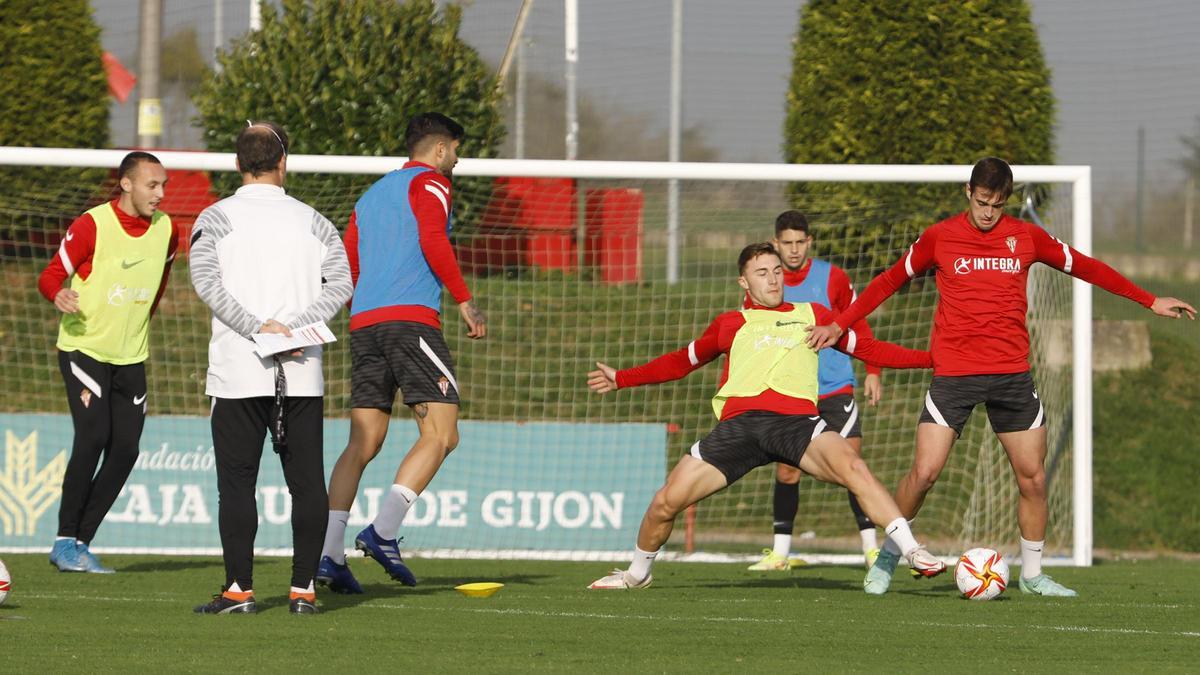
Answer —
767 409
117 257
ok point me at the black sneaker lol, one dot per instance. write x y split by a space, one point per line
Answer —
225 605
302 606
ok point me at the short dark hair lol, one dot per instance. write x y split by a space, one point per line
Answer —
992 174
132 160
753 251
791 220
260 147
430 125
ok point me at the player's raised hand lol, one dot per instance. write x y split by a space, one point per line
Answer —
475 319
67 301
820 337
1170 307
603 380
873 388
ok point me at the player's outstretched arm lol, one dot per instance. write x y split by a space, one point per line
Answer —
603 379
875 352
1055 253
883 354
1173 308
670 366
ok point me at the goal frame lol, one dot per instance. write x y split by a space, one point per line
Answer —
1079 177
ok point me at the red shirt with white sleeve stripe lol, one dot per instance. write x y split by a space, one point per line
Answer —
979 327
717 339
75 252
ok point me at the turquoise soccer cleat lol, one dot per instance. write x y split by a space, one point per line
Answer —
1042 584
879 577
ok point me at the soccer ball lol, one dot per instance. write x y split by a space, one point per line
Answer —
5 582
981 574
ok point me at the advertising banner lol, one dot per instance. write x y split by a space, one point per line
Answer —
508 487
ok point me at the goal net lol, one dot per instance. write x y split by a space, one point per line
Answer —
573 262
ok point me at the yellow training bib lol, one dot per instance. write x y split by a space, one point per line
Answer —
769 352
113 321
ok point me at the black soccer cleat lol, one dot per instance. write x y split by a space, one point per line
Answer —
223 604
302 606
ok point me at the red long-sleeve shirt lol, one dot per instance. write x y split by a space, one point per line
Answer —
79 245
717 340
431 213
979 326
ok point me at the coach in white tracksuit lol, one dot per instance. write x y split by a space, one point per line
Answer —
265 262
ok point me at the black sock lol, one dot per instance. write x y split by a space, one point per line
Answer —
787 502
864 523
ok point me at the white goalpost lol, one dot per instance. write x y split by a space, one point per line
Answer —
574 263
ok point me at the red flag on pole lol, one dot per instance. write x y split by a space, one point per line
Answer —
120 80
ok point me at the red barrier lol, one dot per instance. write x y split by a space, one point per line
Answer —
531 222
614 234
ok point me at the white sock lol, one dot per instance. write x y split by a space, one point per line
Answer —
80 542
868 540
335 536
1031 557
311 590
66 539
234 588
900 537
391 512
639 569
783 545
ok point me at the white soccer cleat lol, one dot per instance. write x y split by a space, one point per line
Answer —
925 563
620 580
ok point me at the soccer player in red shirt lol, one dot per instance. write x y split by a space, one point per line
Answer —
767 409
980 346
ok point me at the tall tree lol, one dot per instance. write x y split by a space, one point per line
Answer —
910 82
344 77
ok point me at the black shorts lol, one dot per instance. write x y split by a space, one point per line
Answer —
739 444
1011 400
401 355
841 414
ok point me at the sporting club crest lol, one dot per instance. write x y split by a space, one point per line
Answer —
1012 244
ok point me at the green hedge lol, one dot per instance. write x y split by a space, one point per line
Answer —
911 82
344 77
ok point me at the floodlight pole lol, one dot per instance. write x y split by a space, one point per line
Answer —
572 56
149 118
674 132
519 113
218 33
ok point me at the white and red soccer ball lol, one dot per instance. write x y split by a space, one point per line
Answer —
5 582
981 574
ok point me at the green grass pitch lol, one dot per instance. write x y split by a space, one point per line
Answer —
1131 616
